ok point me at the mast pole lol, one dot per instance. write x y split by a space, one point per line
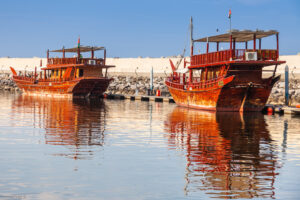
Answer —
229 16
192 51
230 24
192 41
78 48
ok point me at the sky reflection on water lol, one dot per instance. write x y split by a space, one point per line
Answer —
64 149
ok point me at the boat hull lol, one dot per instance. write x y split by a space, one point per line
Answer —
205 100
72 88
228 98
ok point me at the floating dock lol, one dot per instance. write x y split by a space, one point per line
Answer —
140 97
268 109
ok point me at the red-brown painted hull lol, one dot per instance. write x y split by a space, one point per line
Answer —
76 87
205 100
224 99
243 99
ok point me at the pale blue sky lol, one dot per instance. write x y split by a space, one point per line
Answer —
135 28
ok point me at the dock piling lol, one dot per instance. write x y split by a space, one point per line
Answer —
151 80
286 70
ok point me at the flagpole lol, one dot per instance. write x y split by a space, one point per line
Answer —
230 24
229 15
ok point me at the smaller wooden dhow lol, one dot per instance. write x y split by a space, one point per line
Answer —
227 79
68 76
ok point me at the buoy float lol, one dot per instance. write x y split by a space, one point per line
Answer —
270 110
105 95
158 93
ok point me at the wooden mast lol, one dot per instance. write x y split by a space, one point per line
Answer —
192 41
277 41
192 49
78 49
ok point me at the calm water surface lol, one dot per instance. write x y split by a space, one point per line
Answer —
64 149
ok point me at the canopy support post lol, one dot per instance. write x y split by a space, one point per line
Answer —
277 41
254 42
48 56
64 52
191 76
207 46
233 43
104 57
230 46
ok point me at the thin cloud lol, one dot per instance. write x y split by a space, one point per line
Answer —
253 2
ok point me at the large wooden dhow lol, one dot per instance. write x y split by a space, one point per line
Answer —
227 80
71 77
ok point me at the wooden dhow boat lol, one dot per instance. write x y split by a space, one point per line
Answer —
226 80
72 76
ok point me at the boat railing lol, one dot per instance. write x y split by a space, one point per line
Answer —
25 78
32 79
55 79
85 61
200 84
174 83
237 54
61 61
90 61
196 84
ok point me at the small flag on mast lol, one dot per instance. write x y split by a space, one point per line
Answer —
78 41
229 14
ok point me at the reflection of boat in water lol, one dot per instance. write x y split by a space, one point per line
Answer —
228 154
77 123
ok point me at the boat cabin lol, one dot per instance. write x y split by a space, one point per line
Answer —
253 53
77 66
210 66
207 69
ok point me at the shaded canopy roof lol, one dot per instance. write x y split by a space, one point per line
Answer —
82 49
239 36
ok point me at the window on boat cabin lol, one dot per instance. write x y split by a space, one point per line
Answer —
80 72
197 75
211 73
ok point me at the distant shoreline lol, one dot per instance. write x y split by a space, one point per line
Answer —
131 66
